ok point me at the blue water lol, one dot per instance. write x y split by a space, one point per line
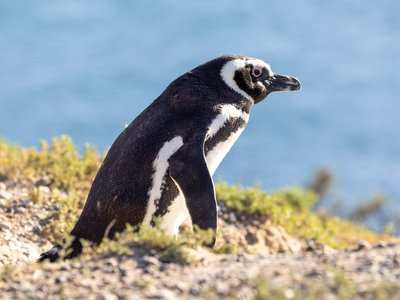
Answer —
85 68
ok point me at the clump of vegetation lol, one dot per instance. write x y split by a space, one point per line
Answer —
61 167
152 240
147 240
62 220
61 162
69 175
253 202
292 210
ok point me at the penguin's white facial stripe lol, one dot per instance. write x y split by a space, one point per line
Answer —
160 166
228 74
227 111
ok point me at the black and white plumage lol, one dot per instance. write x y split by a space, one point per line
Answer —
162 164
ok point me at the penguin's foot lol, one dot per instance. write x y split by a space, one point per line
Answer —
68 251
206 238
210 243
51 255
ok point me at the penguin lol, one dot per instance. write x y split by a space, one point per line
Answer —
161 165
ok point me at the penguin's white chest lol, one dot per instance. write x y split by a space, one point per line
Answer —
217 154
225 129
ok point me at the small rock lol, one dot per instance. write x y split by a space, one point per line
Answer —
381 245
163 294
123 272
112 262
151 261
27 287
4 227
86 282
194 292
314 274
19 210
232 217
37 229
60 279
362 245
106 295
317 248
396 260
23 248
43 181
222 287
25 203
289 293
5 195
181 287
37 274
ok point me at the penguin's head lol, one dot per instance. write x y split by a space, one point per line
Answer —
254 79
249 77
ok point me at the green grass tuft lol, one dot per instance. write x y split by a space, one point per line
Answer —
61 162
292 210
156 242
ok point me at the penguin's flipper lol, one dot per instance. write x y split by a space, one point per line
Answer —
189 170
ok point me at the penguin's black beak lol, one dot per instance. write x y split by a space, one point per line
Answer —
278 82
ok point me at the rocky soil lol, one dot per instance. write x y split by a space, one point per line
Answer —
21 224
283 266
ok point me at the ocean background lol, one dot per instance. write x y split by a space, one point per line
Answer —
86 68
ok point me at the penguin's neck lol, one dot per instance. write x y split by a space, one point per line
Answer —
223 132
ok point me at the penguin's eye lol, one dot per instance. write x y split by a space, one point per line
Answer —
256 72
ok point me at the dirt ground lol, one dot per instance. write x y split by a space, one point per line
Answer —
281 266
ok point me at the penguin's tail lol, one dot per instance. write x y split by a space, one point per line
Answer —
65 250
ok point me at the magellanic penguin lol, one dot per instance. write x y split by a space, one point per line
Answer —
161 165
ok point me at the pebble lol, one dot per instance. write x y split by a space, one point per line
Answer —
382 245
163 295
60 279
44 190
19 209
106 295
222 286
289 293
43 181
362 245
25 203
181 286
396 260
232 217
150 261
194 292
5 195
3 202
4 227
